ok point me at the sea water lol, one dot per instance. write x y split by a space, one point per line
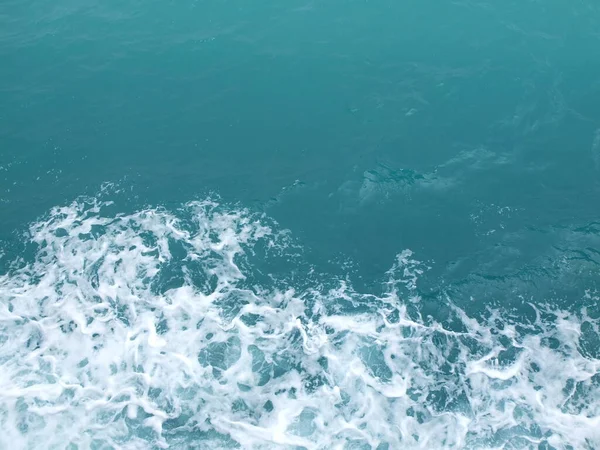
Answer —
299 224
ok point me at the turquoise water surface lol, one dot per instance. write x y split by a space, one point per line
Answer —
299 224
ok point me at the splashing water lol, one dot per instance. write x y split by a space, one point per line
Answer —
176 329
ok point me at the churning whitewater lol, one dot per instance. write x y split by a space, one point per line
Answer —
185 329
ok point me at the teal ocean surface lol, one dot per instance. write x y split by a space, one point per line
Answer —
300 224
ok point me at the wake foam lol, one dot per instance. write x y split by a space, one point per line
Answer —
186 329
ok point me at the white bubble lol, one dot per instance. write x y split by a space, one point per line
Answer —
153 330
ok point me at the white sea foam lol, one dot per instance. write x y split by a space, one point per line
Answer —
159 329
